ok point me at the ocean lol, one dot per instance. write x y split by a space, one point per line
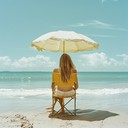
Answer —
32 90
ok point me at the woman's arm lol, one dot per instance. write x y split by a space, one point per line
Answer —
53 82
76 82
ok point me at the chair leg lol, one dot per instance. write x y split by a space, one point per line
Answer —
53 104
75 106
64 106
54 100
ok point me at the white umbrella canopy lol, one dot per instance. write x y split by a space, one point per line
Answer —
64 41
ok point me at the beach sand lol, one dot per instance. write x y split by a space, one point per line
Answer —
88 118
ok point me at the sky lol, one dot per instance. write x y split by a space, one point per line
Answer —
22 21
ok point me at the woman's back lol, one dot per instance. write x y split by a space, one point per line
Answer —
65 86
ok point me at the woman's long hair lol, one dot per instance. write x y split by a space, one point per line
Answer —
66 66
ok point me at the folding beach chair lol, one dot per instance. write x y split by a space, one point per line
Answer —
70 95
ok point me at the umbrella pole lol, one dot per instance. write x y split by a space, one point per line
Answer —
63 46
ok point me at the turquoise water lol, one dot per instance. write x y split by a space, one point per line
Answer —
31 90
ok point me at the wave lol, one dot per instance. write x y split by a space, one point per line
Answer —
24 92
47 92
104 91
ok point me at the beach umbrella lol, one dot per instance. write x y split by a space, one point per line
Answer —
64 41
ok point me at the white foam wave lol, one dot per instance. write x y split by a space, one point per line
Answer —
47 91
24 92
104 91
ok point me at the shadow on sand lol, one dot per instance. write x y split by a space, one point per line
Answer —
85 115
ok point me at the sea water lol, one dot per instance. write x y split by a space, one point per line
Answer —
32 90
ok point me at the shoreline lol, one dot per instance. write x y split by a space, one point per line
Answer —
89 118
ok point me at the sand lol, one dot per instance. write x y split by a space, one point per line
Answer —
88 118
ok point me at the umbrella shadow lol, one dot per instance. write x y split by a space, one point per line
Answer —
85 115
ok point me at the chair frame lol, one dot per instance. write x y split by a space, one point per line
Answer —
55 100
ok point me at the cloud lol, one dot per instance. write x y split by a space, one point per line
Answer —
124 59
103 1
94 23
98 59
102 25
99 25
5 60
109 0
101 62
85 62
38 62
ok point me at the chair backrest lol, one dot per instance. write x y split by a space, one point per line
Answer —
56 78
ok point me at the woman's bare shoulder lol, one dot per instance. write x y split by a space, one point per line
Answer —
56 70
74 70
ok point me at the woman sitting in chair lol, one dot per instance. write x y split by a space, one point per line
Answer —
63 80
